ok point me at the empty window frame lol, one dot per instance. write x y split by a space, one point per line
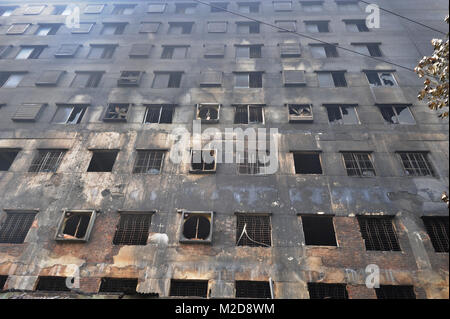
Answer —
6 11
156 7
47 29
149 161
300 113
219 6
180 27
358 164
249 114
123 9
319 230
185 8
14 228
437 229
52 284
378 233
174 51
7 157
282 5
416 163
323 51
395 292
161 114
3 279
34 9
397 114
30 52
87 79
208 113
342 114
307 162
130 78
248 79
188 288
61 10
101 51
253 289
248 51
17 28
133 229
248 27
248 7
47 160
196 227
69 114
75 225
113 28
125 286
164 80
381 78
356 25
317 26
332 79
102 160
253 230
327 291
203 161
312 6
372 49
11 79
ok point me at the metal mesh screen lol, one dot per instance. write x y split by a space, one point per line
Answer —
148 162
118 285
358 164
395 292
253 289
47 161
327 291
132 229
52 284
16 227
253 231
379 233
189 288
437 228
416 164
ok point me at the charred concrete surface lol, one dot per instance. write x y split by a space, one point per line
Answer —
289 262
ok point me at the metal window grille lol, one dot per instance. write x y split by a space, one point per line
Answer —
189 288
52 283
47 160
174 80
327 291
339 79
358 164
93 79
379 233
253 289
2 282
159 114
132 229
118 285
253 231
15 228
437 229
395 292
416 164
252 164
148 162
248 114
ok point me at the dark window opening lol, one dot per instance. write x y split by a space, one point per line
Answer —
395 292
47 29
396 114
133 229
75 226
52 283
327 291
253 289
196 226
47 161
7 157
358 164
357 25
437 229
339 79
338 114
203 161
159 114
3 282
374 50
188 288
148 162
253 231
379 233
125 286
116 112
15 228
252 163
319 230
69 114
307 163
102 161
416 164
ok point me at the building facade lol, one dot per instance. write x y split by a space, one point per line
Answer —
89 190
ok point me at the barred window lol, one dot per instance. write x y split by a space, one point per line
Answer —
253 230
248 114
253 289
47 161
416 163
437 229
189 288
379 233
15 227
252 163
358 164
327 291
395 292
52 283
148 162
118 285
161 114
133 229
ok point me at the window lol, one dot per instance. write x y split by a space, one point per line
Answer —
248 114
203 161
196 227
76 226
219 6
123 9
161 114
69 114
437 229
86 79
248 80
307 163
7 157
252 163
62 10
15 227
189 288
117 112
94 8
378 233
133 229
130 78
372 49
149 27
348 6
248 7
288 50
167 80
18 28
28 112
113 28
358 164
253 230
253 289
125 286
50 78
397 114
319 230
211 79
180 27
217 27
214 50
7 11
185 8
4 50
323 51
248 51
342 114
30 52
317 26
101 51
294 78
208 113
174 52
356 25
102 160
286 26
3 278
312 6
282 5
156 7
416 163
327 291
300 113
395 292
34 10
148 161
52 283
139 50
47 29
247 27
10 79
380 78
47 161
85 27
67 50
332 79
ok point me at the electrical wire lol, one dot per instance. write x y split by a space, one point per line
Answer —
244 231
